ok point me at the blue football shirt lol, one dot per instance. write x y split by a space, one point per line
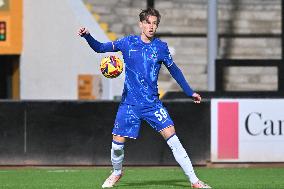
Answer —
142 65
143 62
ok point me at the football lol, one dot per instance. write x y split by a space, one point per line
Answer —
111 66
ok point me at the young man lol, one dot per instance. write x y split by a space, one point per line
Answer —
143 56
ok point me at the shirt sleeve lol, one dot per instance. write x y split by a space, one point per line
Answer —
178 76
167 59
98 46
119 44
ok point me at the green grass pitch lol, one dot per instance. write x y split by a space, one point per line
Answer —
139 177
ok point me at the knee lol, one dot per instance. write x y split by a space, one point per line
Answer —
168 132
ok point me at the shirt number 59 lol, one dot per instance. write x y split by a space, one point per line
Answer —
161 114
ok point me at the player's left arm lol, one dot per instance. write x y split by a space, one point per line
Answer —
177 74
179 77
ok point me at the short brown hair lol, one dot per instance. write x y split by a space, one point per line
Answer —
149 12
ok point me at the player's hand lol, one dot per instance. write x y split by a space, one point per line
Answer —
196 98
83 31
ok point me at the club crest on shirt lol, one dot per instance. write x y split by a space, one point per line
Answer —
153 56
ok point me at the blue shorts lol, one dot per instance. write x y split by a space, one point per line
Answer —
128 119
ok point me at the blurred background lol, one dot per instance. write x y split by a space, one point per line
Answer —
56 108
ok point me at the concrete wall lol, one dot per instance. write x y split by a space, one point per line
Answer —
53 55
190 16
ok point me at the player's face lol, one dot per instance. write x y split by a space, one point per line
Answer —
148 27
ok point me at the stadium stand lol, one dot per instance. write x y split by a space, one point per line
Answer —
247 30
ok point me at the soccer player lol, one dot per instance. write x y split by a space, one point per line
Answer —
143 56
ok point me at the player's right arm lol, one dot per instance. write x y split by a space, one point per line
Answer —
94 44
